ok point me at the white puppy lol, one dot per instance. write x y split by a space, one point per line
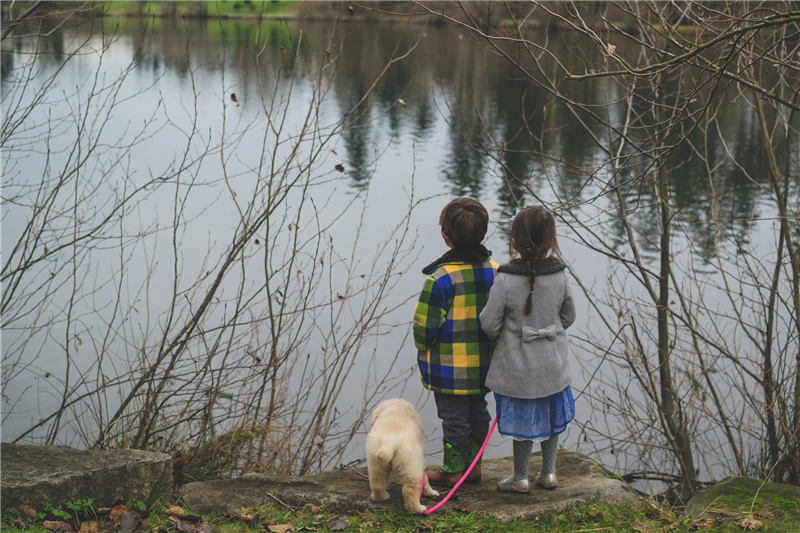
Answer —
396 447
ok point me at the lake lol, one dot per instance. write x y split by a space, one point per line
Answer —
231 219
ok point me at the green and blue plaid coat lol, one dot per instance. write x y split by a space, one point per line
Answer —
454 352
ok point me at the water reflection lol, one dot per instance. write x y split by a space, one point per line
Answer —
494 114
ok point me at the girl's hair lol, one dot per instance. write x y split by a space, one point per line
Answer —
533 234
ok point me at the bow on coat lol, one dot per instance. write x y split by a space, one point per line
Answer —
531 334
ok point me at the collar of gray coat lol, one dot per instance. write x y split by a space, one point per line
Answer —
548 265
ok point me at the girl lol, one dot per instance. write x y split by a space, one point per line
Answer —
530 305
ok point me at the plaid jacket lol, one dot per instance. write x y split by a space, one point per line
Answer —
454 352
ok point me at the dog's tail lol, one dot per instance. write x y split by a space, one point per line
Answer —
386 452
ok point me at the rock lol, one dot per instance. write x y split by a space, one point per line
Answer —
745 495
33 475
581 481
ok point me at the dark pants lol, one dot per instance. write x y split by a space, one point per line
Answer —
462 417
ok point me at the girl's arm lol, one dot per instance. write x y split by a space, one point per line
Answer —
429 315
567 313
492 315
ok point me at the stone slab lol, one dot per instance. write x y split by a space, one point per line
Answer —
33 475
581 481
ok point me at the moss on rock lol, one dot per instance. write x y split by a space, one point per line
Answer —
745 495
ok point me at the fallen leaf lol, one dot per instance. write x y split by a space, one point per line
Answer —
310 506
117 511
19 523
705 523
60 527
89 527
750 523
639 527
307 528
461 509
174 511
424 525
130 523
25 511
188 527
336 524
281 528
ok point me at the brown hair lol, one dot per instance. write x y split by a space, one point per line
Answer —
533 234
464 221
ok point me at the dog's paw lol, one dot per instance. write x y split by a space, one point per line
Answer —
379 496
433 493
416 509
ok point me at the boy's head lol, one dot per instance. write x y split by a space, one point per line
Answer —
464 222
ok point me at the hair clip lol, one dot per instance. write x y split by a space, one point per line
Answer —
516 212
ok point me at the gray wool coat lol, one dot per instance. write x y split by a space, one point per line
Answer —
531 359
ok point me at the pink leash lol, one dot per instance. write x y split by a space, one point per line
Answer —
460 481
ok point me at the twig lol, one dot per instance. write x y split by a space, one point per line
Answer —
362 474
292 509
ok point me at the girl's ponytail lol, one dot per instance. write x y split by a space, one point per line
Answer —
531 260
533 234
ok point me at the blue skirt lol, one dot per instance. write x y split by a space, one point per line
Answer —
535 419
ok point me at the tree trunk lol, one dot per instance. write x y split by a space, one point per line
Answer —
670 408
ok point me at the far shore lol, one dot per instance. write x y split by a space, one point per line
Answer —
294 11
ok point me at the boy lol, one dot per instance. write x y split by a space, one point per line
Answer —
454 352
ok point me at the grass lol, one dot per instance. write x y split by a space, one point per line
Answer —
225 8
648 517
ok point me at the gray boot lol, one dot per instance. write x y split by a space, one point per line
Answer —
547 477
519 481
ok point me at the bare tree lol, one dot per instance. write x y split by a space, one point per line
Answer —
230 351
649 83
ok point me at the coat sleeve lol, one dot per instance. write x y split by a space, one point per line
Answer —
567 313
492 314
429 315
